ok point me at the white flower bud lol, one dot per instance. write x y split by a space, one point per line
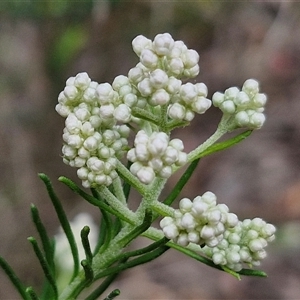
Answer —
146 175
201 105
233 257
105 93
176 66
74 140
163 43
257 120
218 98
107 111
185 205
193 237
130 99
82 173
140 43
160 97
207 232
209 198
188 221
188 92
136 74
145 87
64 111
201 89
90 143
165 172
251 86
149 59
242 99
183 240
192 72
83 153
82 81
158 78
242 118
231 93
190 58
141 152
71 92
122 113
82 114
176 111
173 85
260 100
87 129
69 152
119 82
228 107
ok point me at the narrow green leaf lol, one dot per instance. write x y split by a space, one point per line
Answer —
181 182
44 265
14 278
86 244
250 272
102 288
46 242
92 200
138 230
135 262
65 224
226 144
145 115
88 272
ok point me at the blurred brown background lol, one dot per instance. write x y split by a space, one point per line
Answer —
42 43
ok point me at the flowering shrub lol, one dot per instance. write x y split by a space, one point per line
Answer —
146 105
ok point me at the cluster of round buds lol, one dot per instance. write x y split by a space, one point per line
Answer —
155 155
156 77
246 105
243 244
200 221
92 138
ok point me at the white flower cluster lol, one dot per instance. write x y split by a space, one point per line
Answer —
225 239
247 105
155 155
156 77
245 243
92 138
201 221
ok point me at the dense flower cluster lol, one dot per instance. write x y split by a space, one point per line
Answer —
155 155
163 62
98 115
224 238
92 137
246 106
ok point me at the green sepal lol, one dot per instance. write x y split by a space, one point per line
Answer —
86 244
137 230
65 224
46 269
92 200
225 145
48 245
31 293
88 271
14 279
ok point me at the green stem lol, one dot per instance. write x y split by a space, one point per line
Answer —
111 199
31 293
130 178
86 244
221 130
